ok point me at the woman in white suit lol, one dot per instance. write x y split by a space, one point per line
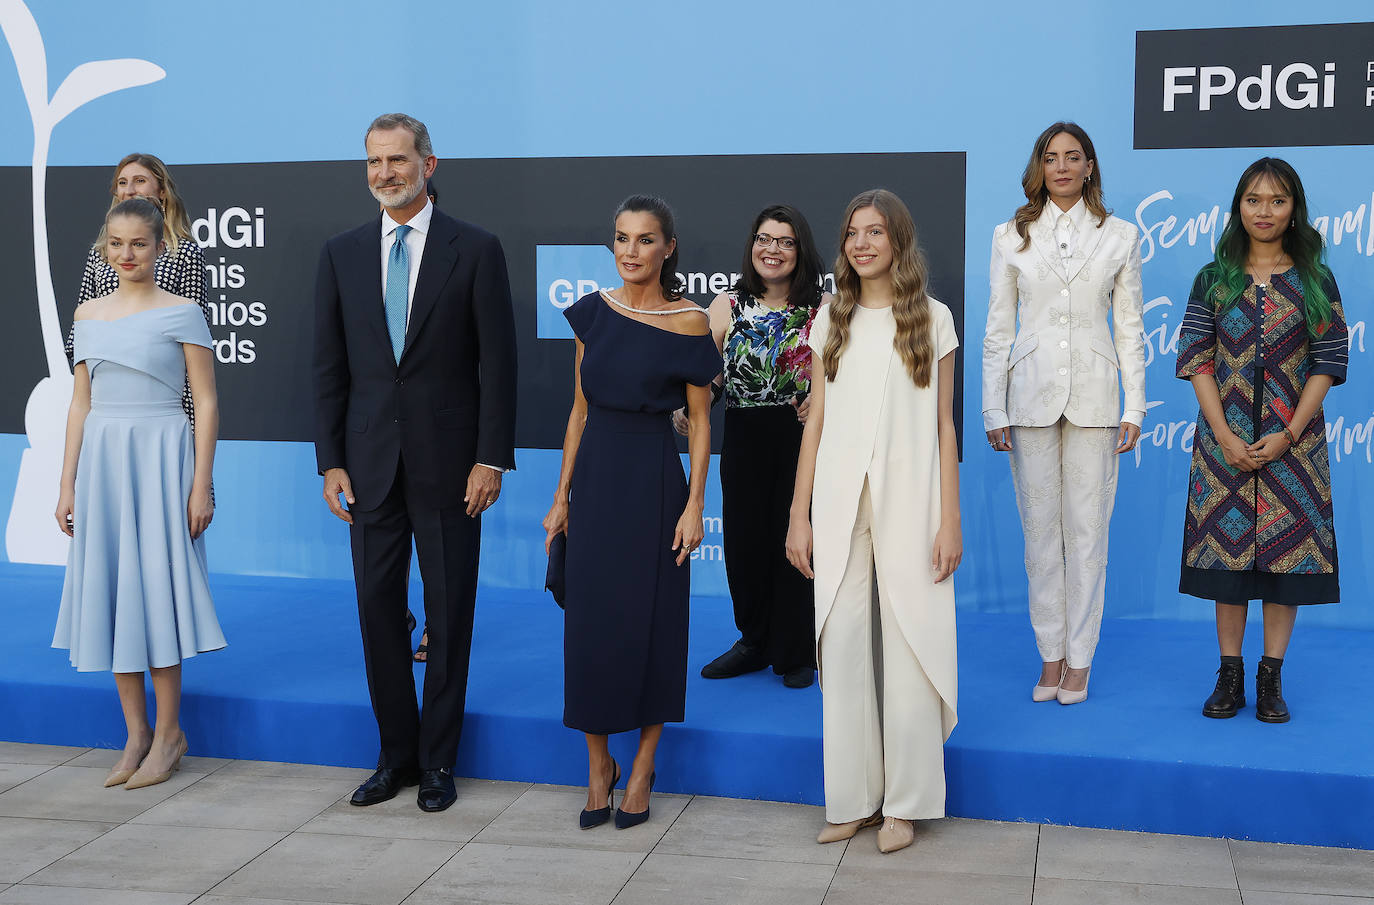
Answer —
1069 273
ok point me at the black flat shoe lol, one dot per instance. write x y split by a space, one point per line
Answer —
1269 703
623 820
383 785
1229 695
738 660
588 819
436 790
799 678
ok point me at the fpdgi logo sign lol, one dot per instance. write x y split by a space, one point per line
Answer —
1255 87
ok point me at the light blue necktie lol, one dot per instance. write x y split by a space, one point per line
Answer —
397 288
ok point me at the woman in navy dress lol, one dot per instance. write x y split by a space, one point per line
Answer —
631 518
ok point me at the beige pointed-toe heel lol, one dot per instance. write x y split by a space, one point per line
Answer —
142 780
1042 693
1074 697
118 777
895 835
838 832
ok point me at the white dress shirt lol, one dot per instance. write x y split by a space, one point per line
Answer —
415 249
415 246
1066 224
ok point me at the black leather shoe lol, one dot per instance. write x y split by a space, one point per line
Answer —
436 790
383 786
738 660
625 820
1269 703
1229 695
799 678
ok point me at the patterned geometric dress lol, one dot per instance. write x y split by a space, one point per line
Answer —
1268 534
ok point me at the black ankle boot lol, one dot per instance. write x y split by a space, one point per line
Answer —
1269 703
1229 695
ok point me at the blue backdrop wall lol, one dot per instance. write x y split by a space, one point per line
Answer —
257 82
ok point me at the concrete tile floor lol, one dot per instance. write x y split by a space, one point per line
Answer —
249 833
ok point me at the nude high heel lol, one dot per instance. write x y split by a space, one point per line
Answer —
1042 693
118 777
142 780
838 832
1074 697
895 835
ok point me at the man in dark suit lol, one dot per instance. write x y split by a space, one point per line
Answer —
414 427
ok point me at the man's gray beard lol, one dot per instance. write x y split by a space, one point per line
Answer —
397 201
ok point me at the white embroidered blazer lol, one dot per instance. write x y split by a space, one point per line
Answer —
1065 333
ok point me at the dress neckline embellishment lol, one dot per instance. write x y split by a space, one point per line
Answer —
619 304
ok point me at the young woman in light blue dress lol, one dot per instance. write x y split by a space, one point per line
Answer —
135 494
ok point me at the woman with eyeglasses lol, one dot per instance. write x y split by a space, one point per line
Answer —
761 326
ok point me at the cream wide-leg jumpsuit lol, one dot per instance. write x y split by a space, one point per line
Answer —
875 510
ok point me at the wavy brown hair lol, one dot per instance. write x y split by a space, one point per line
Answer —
1033 181
910 304
176 223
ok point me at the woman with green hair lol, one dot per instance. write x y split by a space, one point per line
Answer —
1262 341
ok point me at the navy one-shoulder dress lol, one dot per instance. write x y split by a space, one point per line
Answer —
625 622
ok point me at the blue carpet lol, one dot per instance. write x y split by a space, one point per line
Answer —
1138 755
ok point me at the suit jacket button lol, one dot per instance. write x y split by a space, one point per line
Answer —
1063 371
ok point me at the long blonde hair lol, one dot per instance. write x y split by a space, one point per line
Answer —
910 304
176 223
1033 181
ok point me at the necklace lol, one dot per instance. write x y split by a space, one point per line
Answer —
1261 274
619 304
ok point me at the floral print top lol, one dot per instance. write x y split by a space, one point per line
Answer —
767 360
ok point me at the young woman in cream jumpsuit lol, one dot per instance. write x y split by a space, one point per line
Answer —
878 471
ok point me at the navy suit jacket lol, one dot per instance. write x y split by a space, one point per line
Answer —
450 402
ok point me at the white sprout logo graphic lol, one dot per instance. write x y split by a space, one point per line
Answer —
32 534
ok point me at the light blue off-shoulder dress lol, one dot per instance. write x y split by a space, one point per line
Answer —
136 594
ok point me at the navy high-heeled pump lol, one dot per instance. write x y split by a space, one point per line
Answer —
625 820
588 819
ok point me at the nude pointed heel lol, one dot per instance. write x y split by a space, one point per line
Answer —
838 832
141 780
118 777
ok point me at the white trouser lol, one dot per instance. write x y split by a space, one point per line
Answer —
1065 479
891 758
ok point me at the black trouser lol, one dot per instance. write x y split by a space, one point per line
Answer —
774 605
447 541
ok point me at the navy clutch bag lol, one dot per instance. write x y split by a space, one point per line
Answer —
558 557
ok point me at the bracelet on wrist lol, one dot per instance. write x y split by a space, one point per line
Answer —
1289 434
